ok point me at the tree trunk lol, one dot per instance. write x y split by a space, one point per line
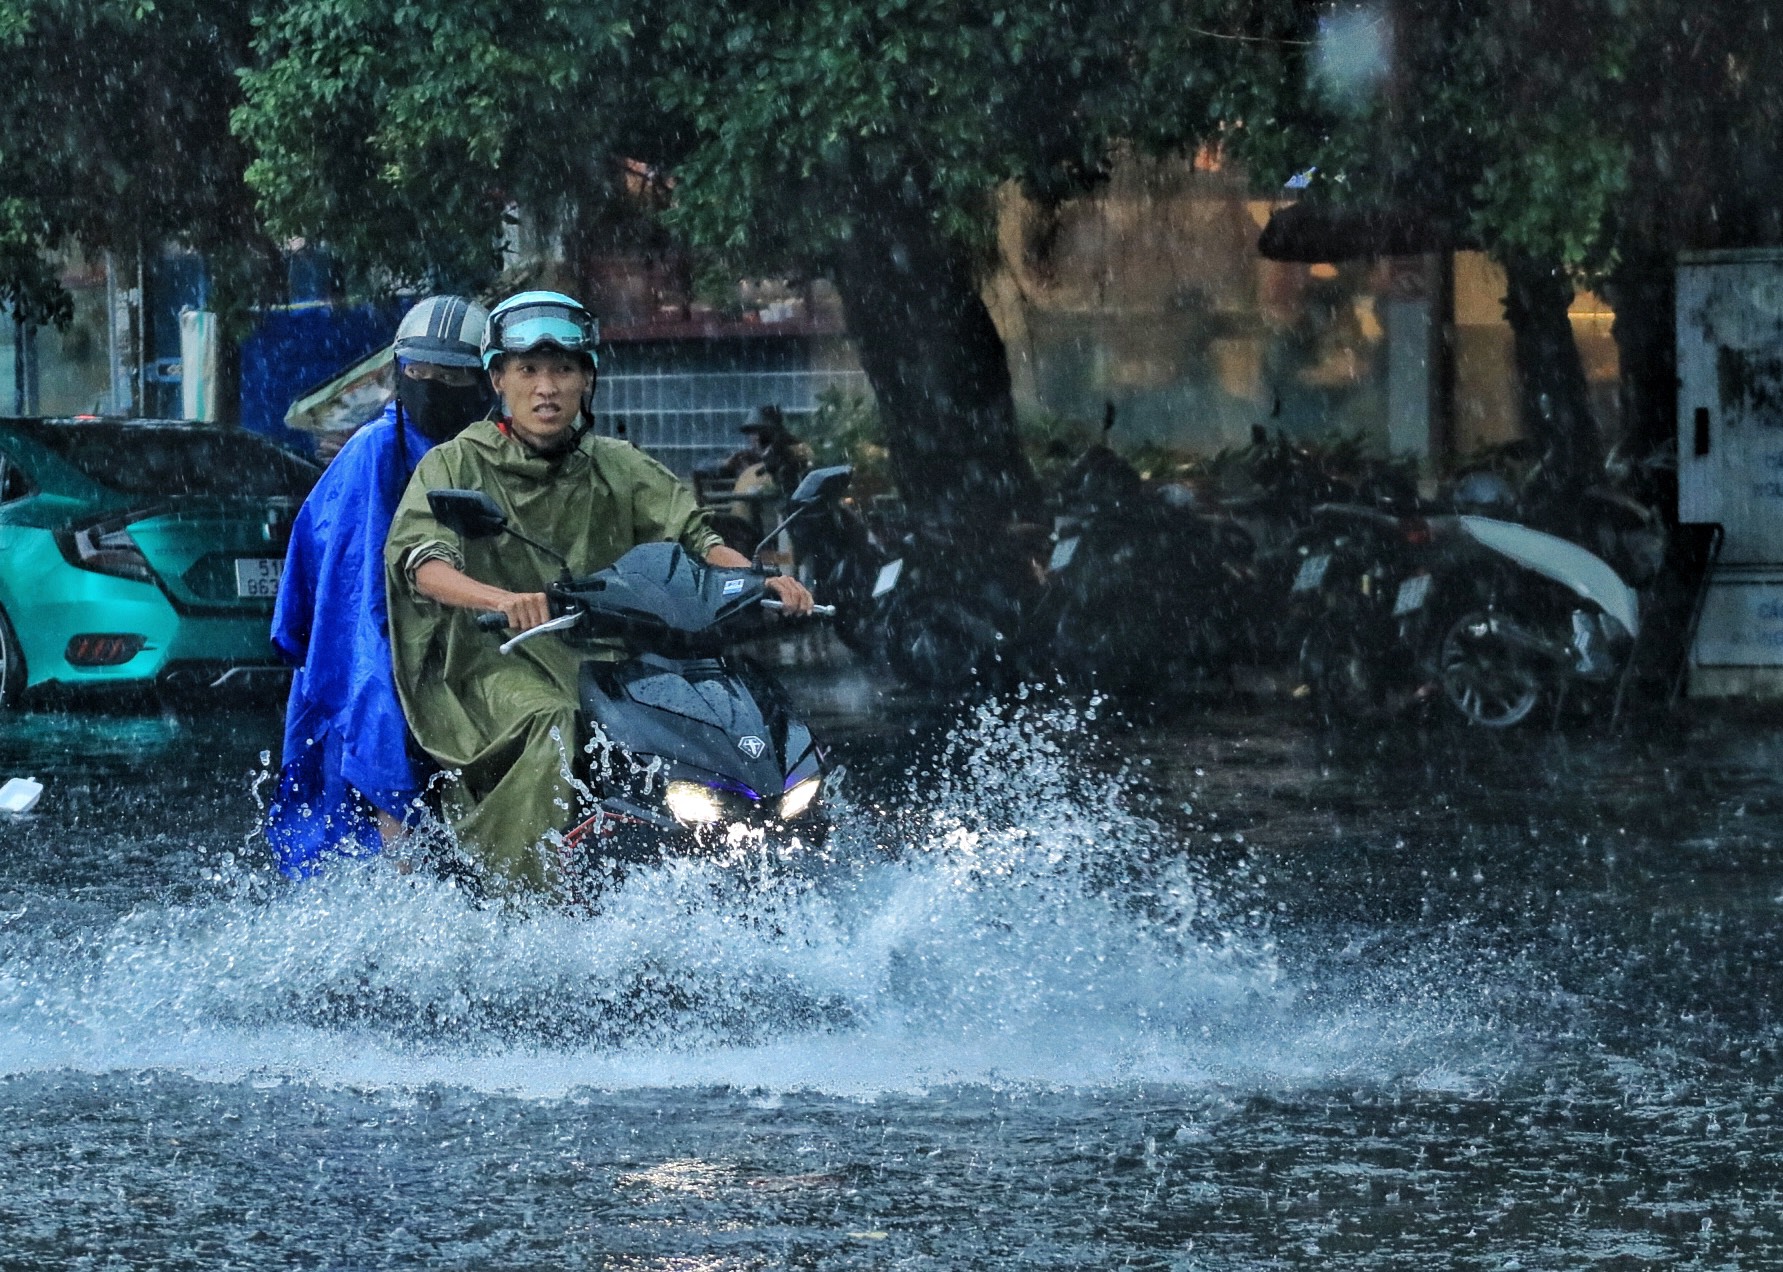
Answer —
1552 399
1644 294
938 368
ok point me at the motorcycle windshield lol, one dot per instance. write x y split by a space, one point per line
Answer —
657 596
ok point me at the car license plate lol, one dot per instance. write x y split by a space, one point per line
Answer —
1413 592
258 577
1312 572
888 577
1062 554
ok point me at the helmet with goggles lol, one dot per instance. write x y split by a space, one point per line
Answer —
535 320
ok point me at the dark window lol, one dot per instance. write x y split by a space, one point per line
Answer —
13 482
146 459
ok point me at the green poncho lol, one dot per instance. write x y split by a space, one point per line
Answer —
506 723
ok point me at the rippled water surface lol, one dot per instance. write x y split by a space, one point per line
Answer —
1065 990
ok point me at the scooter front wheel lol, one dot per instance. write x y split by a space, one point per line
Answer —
1485 679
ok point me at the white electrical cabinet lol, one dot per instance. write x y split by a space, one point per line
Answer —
1730 462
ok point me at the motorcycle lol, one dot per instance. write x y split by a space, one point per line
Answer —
1489 618
1022 605
1026 605
947 619
1519 616
1115 537
684 747
838 555
1356 604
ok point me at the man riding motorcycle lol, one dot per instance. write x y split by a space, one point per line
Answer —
506 724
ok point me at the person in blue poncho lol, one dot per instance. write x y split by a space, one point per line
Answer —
350 781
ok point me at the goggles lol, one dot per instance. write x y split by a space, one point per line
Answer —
540 324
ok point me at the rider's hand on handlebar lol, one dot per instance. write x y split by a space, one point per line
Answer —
524 610
791 594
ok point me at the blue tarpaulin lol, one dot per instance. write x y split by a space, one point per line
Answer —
296 347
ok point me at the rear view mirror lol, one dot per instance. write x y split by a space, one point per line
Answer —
471 513
821 483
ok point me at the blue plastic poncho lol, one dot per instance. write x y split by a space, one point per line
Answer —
346 743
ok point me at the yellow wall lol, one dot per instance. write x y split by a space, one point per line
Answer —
1151 294
1485 402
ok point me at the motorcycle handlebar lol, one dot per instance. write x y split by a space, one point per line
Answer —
817 611
496 622
562 623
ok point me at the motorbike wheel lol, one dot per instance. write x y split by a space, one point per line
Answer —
935 649
1341 673
12 666
1487 682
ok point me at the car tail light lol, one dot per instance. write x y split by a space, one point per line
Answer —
103 649
106 548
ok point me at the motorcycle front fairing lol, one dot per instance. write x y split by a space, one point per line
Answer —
679 712
717 722
1577 569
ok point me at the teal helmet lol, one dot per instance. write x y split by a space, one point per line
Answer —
538 320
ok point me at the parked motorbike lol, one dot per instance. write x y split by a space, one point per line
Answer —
1118 538
837 554
1355 607
1617 518
1021 605
960 606
1015 605
957 607
1487 618
1518 617
686 747
833 549
1431 602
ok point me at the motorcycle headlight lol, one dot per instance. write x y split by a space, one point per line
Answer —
798 799
692 804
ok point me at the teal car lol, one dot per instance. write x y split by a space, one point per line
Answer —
140 552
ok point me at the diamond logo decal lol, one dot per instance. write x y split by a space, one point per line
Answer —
751 746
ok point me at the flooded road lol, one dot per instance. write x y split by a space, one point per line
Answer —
1065 990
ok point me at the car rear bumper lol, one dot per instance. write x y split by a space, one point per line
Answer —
181 647
224 677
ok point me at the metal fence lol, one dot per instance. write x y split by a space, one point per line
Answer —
687 418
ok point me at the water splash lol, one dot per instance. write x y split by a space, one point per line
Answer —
1014 918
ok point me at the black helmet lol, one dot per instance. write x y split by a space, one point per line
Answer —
766 420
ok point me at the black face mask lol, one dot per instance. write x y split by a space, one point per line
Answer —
440 410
